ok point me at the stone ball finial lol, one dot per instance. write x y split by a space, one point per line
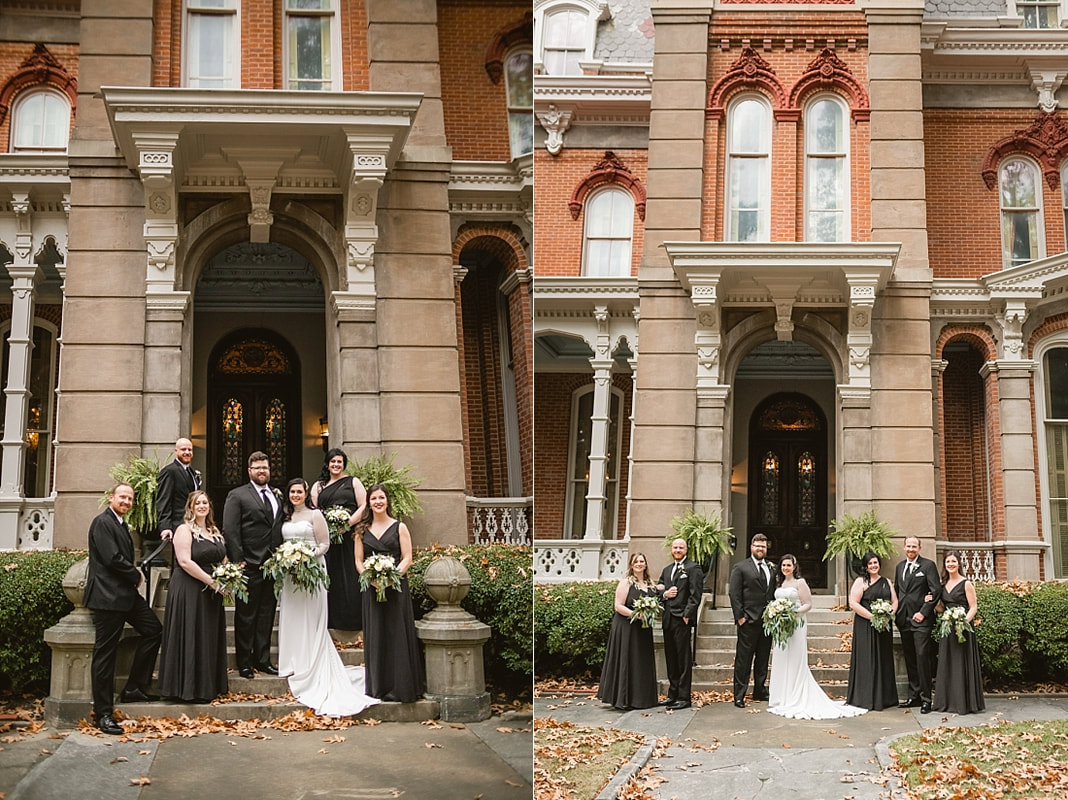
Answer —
74 582
447 581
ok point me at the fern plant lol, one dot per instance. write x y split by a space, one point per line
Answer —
141 474
857 535
400 483
705 534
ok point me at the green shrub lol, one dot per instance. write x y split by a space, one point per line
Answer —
1045 630
1001 617
501 585
571 624
31 600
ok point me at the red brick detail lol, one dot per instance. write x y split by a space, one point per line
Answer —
515 35
1045 139
609 169
508 247
977 336
827 72
750 71
40 69
1058 322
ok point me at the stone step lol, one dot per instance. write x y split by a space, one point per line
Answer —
349 656
728 642
723 657
825 676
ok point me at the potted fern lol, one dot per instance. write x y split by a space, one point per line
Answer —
857 535
706 539
141 474
400 483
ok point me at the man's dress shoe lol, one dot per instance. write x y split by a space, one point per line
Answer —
246 672
109 725
269 669
762 697
739 703
925 708
137 696
667 702
912 702
678 705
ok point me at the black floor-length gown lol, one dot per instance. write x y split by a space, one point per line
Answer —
391 649
628 679
871 666
344 603
959 685
192 663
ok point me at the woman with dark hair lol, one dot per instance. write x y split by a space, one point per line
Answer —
390 647
192 665
306 653
959 687
335 488
871 664
628 678
793 691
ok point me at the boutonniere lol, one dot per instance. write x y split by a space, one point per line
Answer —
277 493
198 476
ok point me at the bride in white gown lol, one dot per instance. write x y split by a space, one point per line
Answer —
306 653
794 692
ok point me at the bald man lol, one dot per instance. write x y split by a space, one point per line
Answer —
173 485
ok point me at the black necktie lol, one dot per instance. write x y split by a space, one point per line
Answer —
675 572
267 503
193 477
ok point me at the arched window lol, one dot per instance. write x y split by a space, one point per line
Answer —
210 44
609 228
519 79
1022 235
1055 430
826 171
579 463
41 121
748 171
564 41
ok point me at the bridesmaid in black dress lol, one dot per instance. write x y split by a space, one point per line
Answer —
192 663
871 665
334 488
391 653
628 679
959 687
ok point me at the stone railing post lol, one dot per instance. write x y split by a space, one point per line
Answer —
453 640
70 693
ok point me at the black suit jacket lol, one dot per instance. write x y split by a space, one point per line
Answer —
174 484
112 580
689 581
910 597
251 535
747 592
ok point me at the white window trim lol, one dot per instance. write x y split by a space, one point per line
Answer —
44 444
1053 342
508 106
728 232
1013 12
335 42
847 205
235 11
595 11
601 190
1039 209
22 98
610 520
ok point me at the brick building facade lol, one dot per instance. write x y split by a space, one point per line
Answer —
844 287
266 225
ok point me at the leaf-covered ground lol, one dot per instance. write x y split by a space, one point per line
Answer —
573 762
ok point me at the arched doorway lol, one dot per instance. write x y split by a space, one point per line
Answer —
788 468
254 403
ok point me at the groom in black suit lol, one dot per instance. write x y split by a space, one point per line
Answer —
111 595
915 579
751 588
174 483
680 587
252 525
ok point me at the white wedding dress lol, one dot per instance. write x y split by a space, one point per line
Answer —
793 691
306 653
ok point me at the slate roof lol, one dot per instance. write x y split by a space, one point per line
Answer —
627 36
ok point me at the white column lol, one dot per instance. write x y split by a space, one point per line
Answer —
596 497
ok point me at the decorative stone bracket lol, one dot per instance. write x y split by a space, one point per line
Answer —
156 168
369 167
555 122
862 290
707 338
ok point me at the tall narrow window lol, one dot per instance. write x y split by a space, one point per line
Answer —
41 122
211 48
1038 13
1064 196
519 77
309 44
609 228
1055 365
769 501
826 172
579 476
1021 212
749 171
564 42
38 432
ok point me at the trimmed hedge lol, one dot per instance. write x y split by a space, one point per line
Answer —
501 585
1023 632
1045 631
571 624
31 600
1001 618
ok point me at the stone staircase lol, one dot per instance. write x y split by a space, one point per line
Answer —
828 659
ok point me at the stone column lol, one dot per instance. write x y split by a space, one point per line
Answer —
596 497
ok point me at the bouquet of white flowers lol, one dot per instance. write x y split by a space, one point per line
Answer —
337 518
295 559
232 580
781 619
882 614
382 570
647 610
953 620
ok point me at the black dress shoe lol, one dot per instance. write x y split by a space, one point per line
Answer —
246 672
678 705
137 696
109 725
269 669
762 698
912 702
739 703
925 708
669 701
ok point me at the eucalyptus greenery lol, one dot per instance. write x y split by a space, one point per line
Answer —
858 535
400 483
704 533
141 474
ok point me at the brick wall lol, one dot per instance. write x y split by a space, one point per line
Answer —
965 468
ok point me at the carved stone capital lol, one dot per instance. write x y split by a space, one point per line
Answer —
555 122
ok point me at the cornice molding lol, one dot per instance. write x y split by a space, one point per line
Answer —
596 99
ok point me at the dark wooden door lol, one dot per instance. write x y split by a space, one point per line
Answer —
788 481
